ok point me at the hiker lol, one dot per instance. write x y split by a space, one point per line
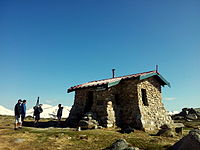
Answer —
59 113
18 123
37 110
23 110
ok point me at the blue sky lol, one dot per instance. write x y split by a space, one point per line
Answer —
48 46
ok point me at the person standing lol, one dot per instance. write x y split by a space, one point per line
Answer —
18 123
37 110
59 113
23 110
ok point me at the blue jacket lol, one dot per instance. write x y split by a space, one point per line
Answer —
23 109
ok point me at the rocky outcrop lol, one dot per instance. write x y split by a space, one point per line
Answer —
188 114
191 141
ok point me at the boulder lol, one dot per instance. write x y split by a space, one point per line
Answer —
179 128
191 141
166 131
192 116
88 121
121 144
88 124
197 110
126 129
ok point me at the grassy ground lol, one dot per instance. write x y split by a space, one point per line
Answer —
51 138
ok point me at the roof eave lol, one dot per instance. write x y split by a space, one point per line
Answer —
165 82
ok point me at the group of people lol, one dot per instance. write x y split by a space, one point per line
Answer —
20 113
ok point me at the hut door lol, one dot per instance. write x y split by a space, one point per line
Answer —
89 102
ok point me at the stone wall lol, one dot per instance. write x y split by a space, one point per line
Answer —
77 110
129 109
154 114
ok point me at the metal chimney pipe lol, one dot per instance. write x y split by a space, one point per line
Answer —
113 73
156 68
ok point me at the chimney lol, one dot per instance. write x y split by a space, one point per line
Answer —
113 73
156 68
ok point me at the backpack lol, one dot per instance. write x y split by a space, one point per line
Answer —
40 109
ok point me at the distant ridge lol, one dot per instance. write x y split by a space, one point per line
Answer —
49 111
5 111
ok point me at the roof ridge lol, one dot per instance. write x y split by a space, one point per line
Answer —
115 78
123 76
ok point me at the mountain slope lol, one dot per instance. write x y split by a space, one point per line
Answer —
5 111
48 111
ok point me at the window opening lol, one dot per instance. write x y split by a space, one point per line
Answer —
144 97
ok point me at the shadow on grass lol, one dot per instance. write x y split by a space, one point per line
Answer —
45 124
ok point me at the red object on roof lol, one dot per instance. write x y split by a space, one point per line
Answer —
107 81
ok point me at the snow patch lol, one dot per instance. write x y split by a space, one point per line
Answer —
173 112
5 111
48 111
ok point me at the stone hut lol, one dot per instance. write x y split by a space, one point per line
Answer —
133 100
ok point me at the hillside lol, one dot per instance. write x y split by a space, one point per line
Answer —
69 139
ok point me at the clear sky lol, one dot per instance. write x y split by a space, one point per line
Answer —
48 46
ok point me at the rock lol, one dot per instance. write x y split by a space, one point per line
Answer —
121 144
178 125
19 140
89 116
179 128
188 114
166 131
83 137
132 148
192 116
191 141
100 127
88 121
78 129
197 110
165 126
177 117
127 129
90 124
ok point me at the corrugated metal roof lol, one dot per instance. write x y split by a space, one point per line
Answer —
108 81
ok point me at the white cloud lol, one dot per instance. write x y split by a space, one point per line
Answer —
170 98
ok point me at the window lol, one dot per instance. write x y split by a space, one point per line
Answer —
144 97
